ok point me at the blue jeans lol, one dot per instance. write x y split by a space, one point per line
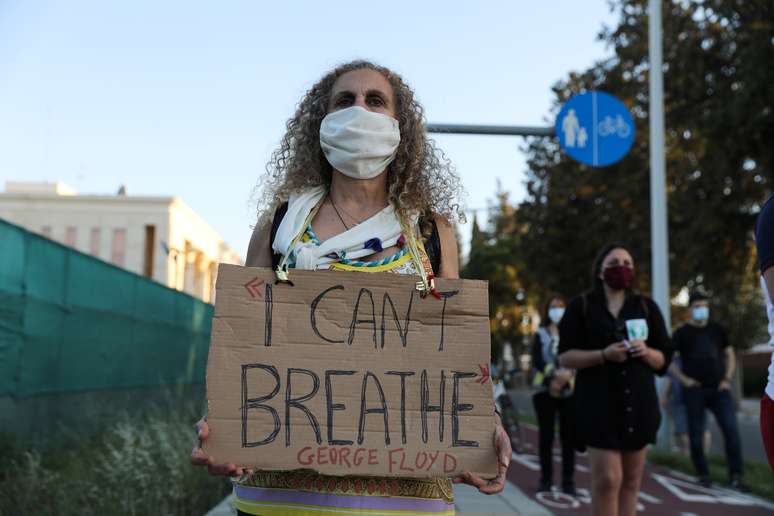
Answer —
721 404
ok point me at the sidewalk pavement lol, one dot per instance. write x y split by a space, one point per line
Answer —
467 500
512 500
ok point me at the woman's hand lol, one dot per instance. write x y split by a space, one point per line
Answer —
561 378
199 458
689 382
638 348
502 445
616 352
563 375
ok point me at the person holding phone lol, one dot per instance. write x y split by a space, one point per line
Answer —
616 339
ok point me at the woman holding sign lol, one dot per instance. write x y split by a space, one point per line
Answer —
616 340
356 186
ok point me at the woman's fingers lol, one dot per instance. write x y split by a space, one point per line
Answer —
493 486
202 429
497 484
639 348
221 469
503 447
502 444
199 458
504 452
474 480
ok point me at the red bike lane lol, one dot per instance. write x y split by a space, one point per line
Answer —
664 492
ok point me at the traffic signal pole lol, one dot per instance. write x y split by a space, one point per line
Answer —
506 130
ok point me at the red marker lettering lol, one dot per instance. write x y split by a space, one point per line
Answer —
391 460
359 456
420 460
433 458
320 456
308 458
403 462
334 456
344 457
446 467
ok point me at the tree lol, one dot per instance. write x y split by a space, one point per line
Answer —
719 98
493 257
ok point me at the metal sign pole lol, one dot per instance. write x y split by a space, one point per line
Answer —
507 130
658 202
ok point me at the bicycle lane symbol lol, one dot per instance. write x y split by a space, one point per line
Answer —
686 490
663 491
555 499
618 127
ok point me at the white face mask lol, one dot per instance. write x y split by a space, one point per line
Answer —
700 313
359 143
555 314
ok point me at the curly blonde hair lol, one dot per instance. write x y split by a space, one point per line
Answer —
421 180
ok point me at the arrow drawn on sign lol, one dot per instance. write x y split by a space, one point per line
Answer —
484 374
253 289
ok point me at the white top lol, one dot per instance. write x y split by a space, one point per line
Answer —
770 312
384 227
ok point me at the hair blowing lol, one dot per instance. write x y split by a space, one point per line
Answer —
421 181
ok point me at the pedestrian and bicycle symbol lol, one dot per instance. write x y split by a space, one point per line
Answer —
595 128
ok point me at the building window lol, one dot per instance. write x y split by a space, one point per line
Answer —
46 231
187 268
94 242
150 246
118 249
71 235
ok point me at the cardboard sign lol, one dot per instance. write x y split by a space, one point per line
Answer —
350 373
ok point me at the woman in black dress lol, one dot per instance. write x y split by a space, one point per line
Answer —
616 340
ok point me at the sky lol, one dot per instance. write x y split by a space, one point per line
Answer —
189 98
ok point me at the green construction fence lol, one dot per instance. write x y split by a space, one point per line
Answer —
73 327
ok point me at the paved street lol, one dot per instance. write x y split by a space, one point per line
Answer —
663 491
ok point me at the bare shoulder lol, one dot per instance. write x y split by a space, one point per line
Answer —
450 263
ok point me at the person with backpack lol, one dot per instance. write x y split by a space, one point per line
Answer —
356 186
616 339
553 397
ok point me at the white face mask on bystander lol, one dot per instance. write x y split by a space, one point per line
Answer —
700 314
555 314
359 143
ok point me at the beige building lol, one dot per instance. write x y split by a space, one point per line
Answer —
158 237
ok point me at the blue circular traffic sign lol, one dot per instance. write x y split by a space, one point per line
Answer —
595 128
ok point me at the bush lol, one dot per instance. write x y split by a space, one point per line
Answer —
135 467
